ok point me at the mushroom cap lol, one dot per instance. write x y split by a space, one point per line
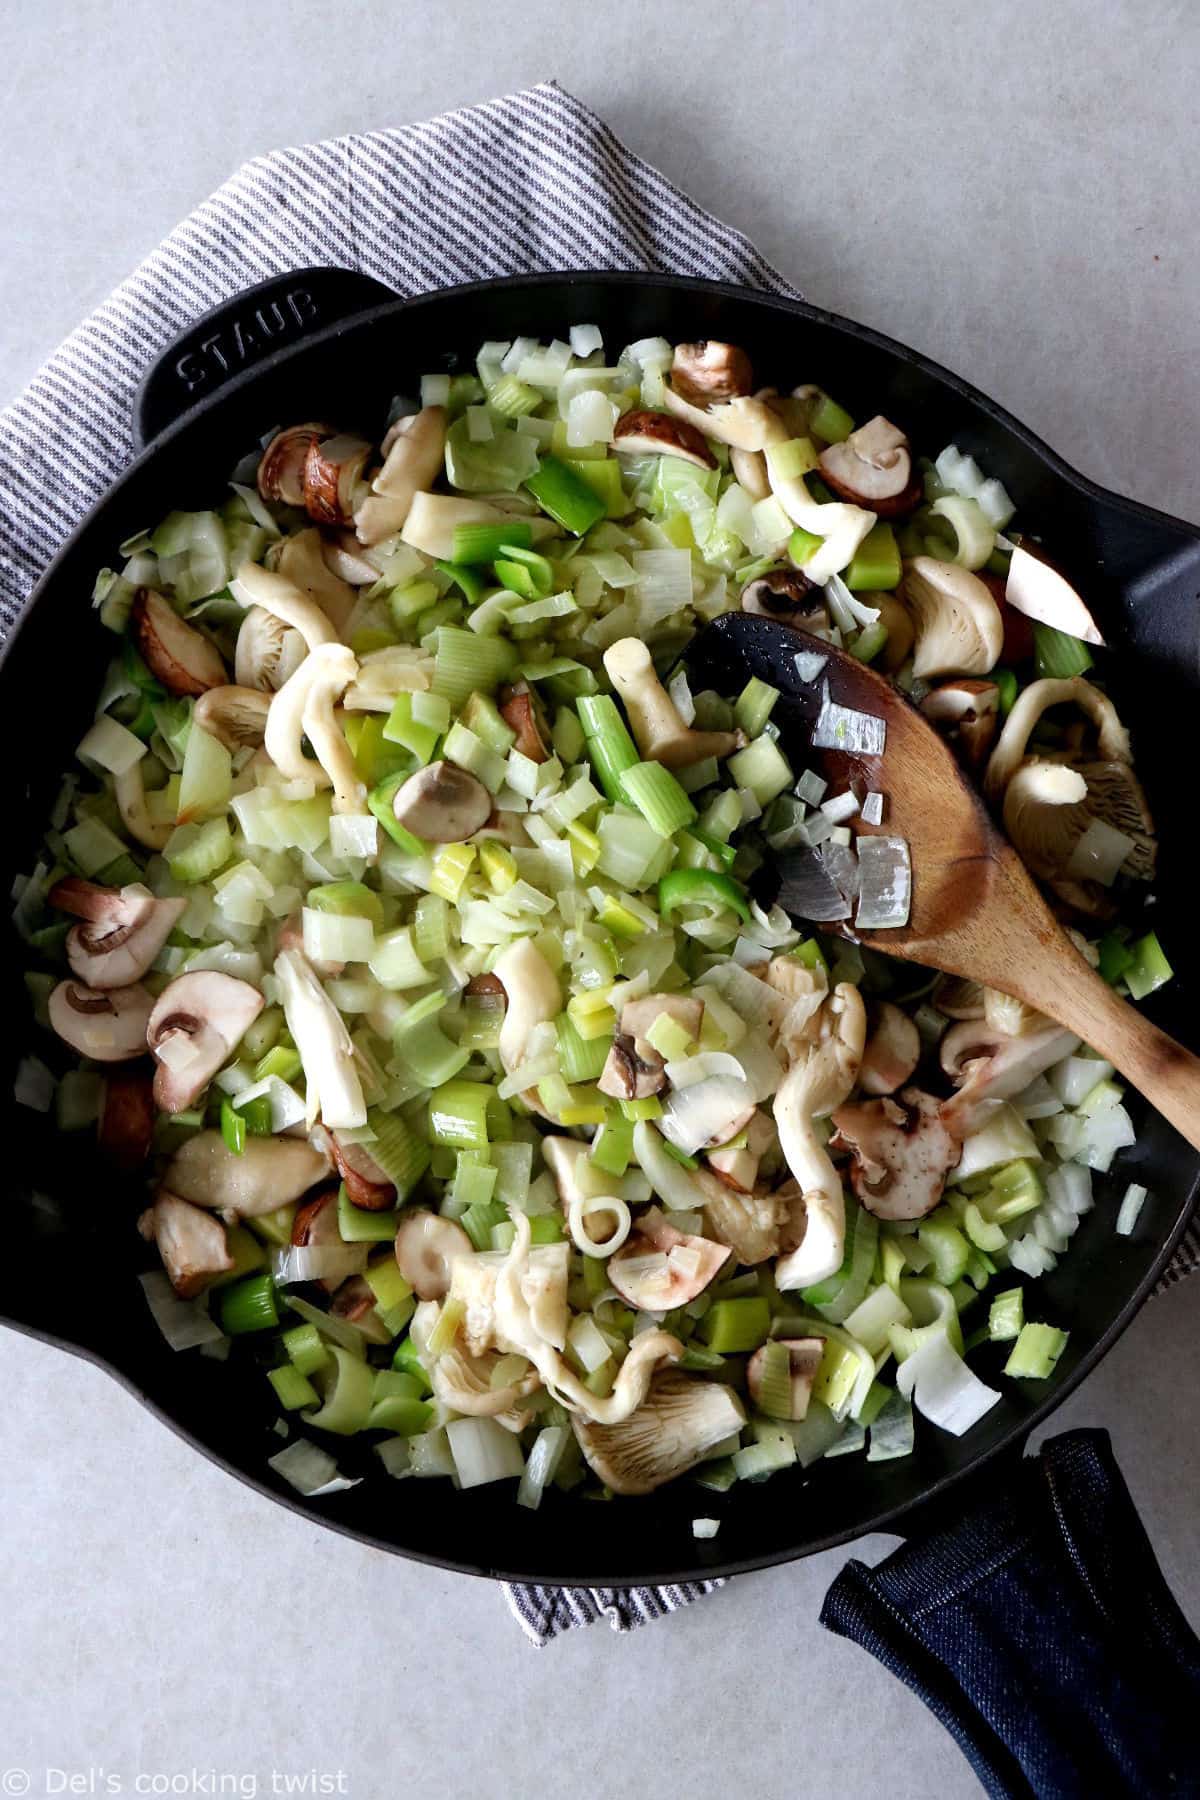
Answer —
678 1423
333 473
271 1172
659 1268
968 710
903 1152
804 1359
787 596
281 466
959 630
126 1127
892 1053
1037 589
107 1026
873 468
518 709
426 1248
710 370
235 716
626 1075
124 930
743 423
268 651
178 655
192 1244
1051 804
196 1022
644 433
442 804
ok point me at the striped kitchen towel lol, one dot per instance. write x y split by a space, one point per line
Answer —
530 182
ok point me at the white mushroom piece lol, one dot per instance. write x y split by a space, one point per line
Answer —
464 1383
344 559
333 1090
739 1168
412 464
967 713
903 1150
959 630
873 467
1077 818
789 597
750 1224
634 1069
658 729
382 674
191 1242
270 1172
892 1053
679 1423
787 1399
987 1065
197 1022
533 997
1037 589
282 623
235 716
304 708
107 1026
659 1268
122 932
643 433
426 1247
182 658
824 1052
442 804
305 559
282 464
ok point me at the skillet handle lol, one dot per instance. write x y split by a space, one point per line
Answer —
242 332
1038 1629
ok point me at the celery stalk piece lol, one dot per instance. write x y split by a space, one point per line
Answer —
1057 656
357 1226
1149 968
659 798
732 1326
876 562
1036 1351
1006 1318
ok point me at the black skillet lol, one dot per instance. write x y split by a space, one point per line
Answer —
326 343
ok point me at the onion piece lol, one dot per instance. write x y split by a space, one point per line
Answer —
884 883
872 809
184 1323
311 1471
1131 1205
34 1086
942 1388
844 728
811 891
320 1262
1100 853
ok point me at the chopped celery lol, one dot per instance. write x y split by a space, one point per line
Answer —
754 706
1037 1349
830 422
947 1246
761 767
358 1226
658 797
580 1058
458 1115
233 1129
1007 1315
347 1398
292 1388
876 562
609 745
248 1305
306 1348
484 543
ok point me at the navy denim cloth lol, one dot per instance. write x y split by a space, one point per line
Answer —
1039 1630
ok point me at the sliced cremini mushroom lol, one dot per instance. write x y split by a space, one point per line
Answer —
178 655
658 1267
739 1168
282 464
959 630
749 1223
644 433
123 931
315 1227
305 558
192 1244
426 1247
270 1172
824 1054
126 1126
197 1022
129 792
987 1065
442 804
680 1421
892 1053
874 468
519 710
106 1026
804 1359
235 716
967 712
654 719
634 1069
412 463
788 597
709 370
333 476
367 1185
903 1150
1037 589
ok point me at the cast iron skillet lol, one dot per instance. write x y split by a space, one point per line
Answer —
328 344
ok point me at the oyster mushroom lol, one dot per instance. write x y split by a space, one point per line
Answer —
305 559
106 1026
332 1087
463 1383
344 560
333 476
892 1053
178 655
282 464
197 1021
967 712
518 709
959 630
987 1065
286 602
788 597
659 1268
825 1053
680 1421
235 716
426 1247
1037 589
268 652
126 1126
533 994
123 931
903 1150
192 1244
473 1282
744 423
1078 825
1112 738
302 708
750 469
412 464
432 518
271 1172
642 433
709 370
749 1223
804 1359
873 467
442 804
654 719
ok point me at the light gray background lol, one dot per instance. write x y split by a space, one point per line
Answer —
1011 188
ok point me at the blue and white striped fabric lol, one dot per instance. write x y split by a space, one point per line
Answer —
530 182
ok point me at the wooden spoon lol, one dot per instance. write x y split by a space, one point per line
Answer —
975 910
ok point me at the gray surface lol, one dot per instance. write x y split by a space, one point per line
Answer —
1011 194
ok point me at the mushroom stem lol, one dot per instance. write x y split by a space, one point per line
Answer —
255 586
826 1062
654 718
332 1085
305 702
1036 699
129 791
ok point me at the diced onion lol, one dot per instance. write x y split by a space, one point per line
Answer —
809 664
586 339
942 1388
320 1262
872 809
884 883
841 807
1100 853
312 1472
844 728
705 1528
34 1085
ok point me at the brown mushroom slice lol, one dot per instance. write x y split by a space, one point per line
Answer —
282 464
892 1053
108 1026
315 1227
967 712
659 1268
679 1423
197 1021
873 467
354 1303
367 1185
124 930
442 804
1037 589
426 1248
235 716
271 1172
804 1359
627 1076
643 433
518 709
710 370
987 1065
749 1224
959 630
903 1151
126 1127
192 1244
333 475
789 597
1083 821
638 1016
178 655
